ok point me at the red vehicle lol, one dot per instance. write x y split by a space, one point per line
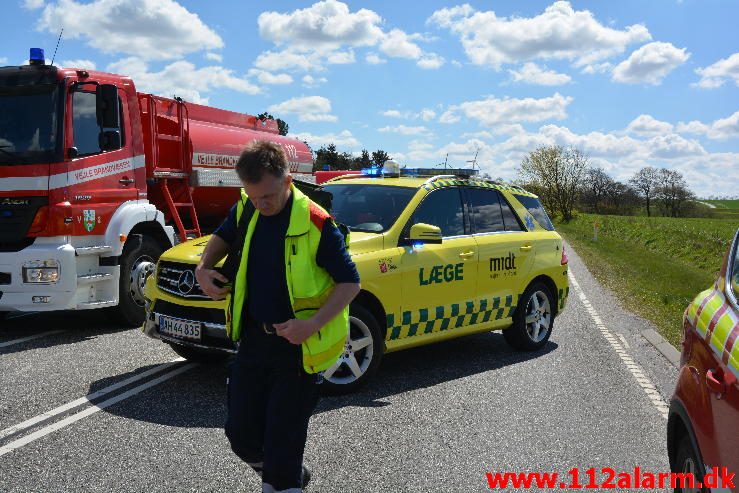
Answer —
97 179
703 424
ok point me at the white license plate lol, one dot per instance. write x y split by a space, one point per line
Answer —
176 327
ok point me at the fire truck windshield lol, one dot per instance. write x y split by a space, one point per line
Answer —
368 208
29 123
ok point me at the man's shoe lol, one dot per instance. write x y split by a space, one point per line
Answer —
306 476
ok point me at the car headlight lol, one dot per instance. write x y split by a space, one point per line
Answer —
41 271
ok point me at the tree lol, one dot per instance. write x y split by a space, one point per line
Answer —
672 191
557 174
380 157
326 156
282 126
596 187
645 183
364 160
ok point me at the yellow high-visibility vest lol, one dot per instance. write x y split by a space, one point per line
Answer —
308 284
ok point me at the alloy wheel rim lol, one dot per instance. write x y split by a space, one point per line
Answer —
538 316
356 358
141 269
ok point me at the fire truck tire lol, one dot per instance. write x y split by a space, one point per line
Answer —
362 354
533 319
686 460
138 262
199 355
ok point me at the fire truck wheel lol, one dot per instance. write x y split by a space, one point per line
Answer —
533 319
362 354
686 461
138 262
199 355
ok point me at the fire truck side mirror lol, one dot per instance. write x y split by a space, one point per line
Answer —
107 106
110 140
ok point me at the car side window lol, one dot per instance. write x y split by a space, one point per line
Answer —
442 208
735 275
84 123
487 216
509 218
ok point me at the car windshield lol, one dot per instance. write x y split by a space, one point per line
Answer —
28 123
368 208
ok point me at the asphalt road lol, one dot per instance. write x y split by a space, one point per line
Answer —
436 418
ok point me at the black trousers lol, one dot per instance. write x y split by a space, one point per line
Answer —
269 408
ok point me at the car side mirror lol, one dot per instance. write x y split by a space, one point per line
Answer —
425 233
107 106
110 140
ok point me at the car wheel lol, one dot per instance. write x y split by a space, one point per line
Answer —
686 461
533 319
138 261
199 355
362 354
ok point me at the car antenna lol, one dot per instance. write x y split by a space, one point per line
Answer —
57 46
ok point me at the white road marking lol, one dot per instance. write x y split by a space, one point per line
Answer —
649 388
623 339
29 338
84 400
16 444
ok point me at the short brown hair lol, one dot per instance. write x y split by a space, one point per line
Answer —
261 157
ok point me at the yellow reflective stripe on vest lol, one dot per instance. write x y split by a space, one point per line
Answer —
321 361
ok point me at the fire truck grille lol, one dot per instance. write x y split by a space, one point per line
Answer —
179 280
16 217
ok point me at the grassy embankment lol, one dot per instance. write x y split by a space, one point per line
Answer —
655 265
724 209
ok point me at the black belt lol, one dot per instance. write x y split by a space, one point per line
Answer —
264 326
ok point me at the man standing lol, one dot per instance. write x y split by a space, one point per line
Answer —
289 309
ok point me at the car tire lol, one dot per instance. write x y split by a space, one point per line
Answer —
533 319
196 355
362 356
686 460
138 261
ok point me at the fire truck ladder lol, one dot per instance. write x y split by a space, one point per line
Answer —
172 170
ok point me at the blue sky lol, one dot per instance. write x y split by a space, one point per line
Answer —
631 83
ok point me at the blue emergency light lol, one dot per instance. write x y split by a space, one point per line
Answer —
372 171
37 56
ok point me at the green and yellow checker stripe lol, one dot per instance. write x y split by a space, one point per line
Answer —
475 183
562 295
448 317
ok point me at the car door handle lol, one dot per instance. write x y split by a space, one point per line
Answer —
126 181
526 248
715 384
466 255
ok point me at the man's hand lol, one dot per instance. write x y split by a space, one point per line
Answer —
296 331
206 277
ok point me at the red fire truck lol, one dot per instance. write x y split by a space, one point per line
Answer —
97 179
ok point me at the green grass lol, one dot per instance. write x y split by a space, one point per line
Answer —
724 204
656 265
725 209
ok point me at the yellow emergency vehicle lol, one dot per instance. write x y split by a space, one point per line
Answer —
439 256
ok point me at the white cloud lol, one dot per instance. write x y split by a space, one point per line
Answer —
597 68
721 129
392 114
374 59
341 57
650 64
310 81
493 111
397 44
324 26
531 73
269 78
216 57
287 60
647 125
673 146
307 109
559 32
457 63
85 64
716 74
404 130
33 4
430 61
427 114
182 79
148 29
343 139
